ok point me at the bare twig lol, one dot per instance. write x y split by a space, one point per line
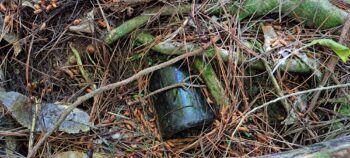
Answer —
17 134
33 126
347 96
87 96
103 15
182 84
279 91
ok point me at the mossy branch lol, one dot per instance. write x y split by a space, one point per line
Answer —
171 48
314 13
139 21
211 81
126 28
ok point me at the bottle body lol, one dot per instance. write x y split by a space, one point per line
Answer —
180 108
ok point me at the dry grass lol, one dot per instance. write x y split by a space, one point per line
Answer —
126 122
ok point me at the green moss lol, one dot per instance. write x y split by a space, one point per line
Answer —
295 65
258 8
139 21
315 13
126 28
299 66
211 80
145 38
172 48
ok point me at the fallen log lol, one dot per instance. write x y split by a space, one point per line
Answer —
339 147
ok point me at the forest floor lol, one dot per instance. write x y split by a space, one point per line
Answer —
278 90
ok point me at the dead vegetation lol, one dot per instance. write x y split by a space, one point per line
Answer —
58 52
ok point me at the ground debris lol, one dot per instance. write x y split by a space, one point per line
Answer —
263 59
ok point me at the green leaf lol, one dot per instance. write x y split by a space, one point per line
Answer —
342 51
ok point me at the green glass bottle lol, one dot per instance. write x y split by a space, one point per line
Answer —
181 108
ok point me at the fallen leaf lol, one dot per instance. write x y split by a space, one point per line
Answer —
342 51
22 111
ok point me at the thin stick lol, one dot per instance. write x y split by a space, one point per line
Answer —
183 85
103 15
28 58
33 127
279 91
87 96
347 97
16 134
276 100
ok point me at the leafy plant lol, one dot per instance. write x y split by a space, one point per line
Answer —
342 51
